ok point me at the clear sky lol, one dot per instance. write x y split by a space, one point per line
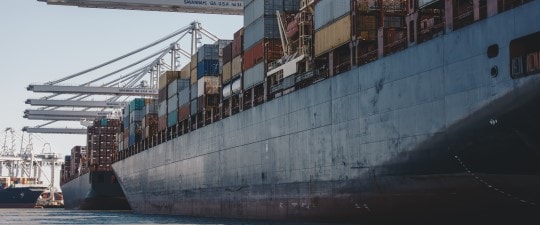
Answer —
40 43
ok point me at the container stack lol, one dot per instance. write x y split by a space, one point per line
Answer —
65 170
332 24
163 89
261 43
101 143
150 120
78 156
173 101
136 114
205 94
125 128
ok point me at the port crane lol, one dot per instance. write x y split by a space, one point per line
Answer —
227 7
123 84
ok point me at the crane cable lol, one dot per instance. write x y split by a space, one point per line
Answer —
184 29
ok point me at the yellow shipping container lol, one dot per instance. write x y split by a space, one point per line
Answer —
333 35
226 72
236 66
194 76
193 62
166 78
186 72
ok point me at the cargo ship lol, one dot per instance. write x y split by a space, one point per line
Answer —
18 195
87 179
353 111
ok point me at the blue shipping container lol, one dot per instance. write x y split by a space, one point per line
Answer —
131 140
208 67
327 11
172 118
207 52
263 27
136 104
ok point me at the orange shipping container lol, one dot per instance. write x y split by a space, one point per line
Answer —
333 36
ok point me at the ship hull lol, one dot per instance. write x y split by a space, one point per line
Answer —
424 135
94 191
19 197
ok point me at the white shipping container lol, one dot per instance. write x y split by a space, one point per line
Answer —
237 86
253 76
207 85
227 91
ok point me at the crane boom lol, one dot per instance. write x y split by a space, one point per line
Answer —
60 118
61 89
55 130
84 114
227 7
76 103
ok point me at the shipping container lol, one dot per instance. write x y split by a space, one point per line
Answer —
162 94
162 110
194 76
172 118
236 66
194 91
256 9
193 107
227 72
236 87
264 27
253 76
176 86
207 52
183 112
208 67
226 91
136 104
150 120
167 77
186 71
333 36
136 116
162 122
193 63
237 44
227 53
327 11
172 103
151 107
269 49
183 97
208 85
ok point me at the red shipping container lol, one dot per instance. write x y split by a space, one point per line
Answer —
227 53
237 44
183 112
162 123
256 54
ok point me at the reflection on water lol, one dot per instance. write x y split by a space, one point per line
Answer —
61 216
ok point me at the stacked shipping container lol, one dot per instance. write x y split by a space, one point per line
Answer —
101 144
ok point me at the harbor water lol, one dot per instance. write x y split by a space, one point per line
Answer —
61 216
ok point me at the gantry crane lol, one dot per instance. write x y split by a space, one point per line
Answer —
231 7
132 84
